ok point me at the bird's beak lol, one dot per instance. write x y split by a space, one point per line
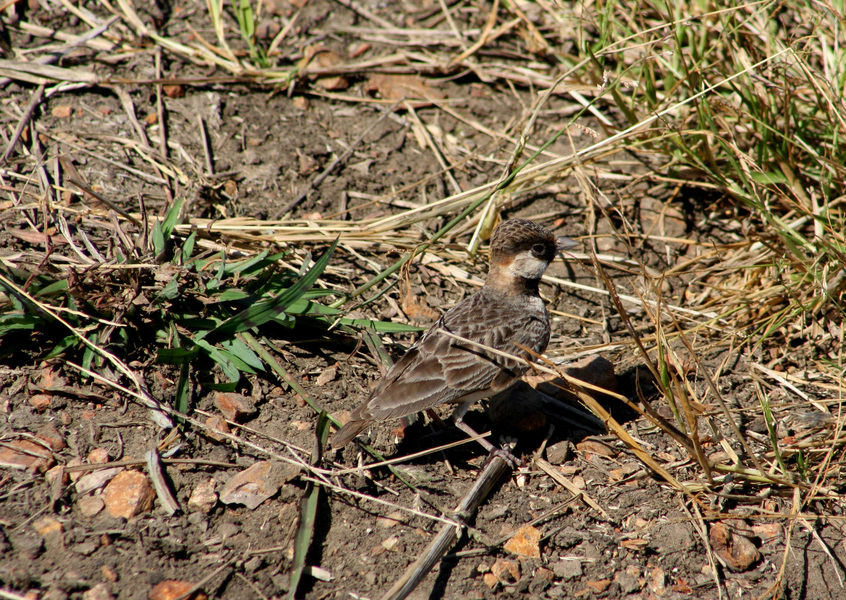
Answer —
563 243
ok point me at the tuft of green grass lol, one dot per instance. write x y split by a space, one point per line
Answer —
247 20
195 309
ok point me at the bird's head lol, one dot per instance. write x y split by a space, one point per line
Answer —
523 249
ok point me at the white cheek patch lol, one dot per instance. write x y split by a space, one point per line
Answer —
527 266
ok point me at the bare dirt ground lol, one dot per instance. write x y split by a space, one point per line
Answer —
238 149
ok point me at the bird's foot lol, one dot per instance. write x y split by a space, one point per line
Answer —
493 450
504 455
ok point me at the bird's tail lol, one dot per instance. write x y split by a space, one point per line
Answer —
346 433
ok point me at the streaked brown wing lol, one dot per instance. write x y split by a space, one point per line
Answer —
503 325
439 369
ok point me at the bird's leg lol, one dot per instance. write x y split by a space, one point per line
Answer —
504 454
435 418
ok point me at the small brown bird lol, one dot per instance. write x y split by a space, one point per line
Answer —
507 311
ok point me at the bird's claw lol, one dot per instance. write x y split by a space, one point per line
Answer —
504 455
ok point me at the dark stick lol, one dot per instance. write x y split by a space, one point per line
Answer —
448 535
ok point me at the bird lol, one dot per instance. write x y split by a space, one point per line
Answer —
505 314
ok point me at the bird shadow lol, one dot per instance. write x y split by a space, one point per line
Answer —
544 413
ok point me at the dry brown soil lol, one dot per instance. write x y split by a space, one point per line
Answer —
266 144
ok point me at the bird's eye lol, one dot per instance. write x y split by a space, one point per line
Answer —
538 249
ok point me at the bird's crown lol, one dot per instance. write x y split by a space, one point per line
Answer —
520 235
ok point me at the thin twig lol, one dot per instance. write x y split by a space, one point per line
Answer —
34 101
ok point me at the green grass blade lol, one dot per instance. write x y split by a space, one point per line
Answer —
263 311
308 514
229 369
380 326
177 356
183 392
163 229
244 358
188 248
